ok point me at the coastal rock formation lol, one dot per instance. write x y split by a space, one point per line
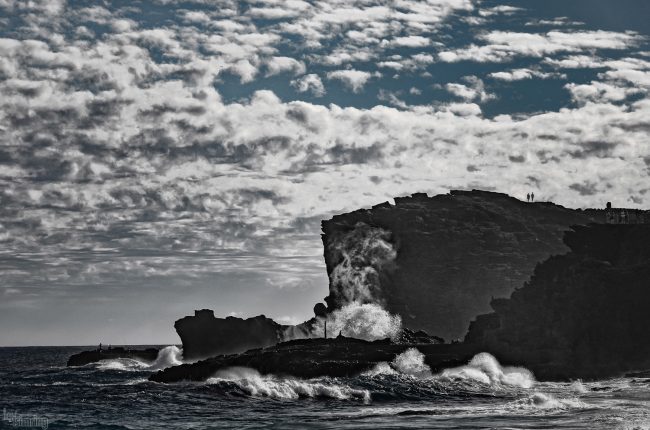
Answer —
310 358
203 335
434 262
581 315
438 261
87 357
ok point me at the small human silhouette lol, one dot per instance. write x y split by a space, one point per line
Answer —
100 347
532 197
528 197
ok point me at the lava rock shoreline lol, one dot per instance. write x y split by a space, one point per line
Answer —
581 315
87 357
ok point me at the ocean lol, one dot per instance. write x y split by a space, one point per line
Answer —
37 390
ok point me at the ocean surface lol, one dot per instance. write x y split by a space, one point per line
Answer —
37 390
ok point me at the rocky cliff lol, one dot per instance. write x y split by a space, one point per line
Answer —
582 314
203 335
438 261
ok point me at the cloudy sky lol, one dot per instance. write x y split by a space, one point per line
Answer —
162 156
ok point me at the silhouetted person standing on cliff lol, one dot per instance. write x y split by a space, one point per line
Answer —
532 197
528 197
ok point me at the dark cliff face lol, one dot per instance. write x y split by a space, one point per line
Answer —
438 261
203 335
582 314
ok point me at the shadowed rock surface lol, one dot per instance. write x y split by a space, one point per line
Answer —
581 315
203 335
310 358
452 254
86 357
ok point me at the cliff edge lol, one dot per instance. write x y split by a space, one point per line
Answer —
438 261
583 314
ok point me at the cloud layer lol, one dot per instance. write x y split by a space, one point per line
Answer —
172 158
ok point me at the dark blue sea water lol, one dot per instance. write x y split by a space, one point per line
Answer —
35 384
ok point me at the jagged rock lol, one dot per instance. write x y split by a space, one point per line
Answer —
203 335
452 253
583 314
310 358
86 357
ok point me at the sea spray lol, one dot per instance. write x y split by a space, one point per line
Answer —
411 362
355 291
485 369
254 384
362 254
362 321
167 357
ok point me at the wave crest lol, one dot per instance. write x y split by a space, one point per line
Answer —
254 384
485 369
167 357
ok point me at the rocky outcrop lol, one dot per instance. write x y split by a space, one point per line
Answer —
87 357
438 261
203 335
583 314
310 358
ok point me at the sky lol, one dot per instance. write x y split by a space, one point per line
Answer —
164 156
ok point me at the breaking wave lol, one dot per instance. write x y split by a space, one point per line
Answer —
362 321
252 383
167 357
362 254
485 369
482 369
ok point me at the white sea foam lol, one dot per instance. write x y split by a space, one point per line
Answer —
167 357
578 387
381 368
125 364
364 253
411 362
250 381
367 321
538 400
485 369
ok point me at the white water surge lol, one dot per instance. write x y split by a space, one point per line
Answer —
167 357
251 382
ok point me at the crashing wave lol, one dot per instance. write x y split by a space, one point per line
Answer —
167 357
485 369
362 321
254 384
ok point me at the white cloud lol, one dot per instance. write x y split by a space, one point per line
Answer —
277 65
411 41
600 92
353 79
504 45
311 83
473 90
522 74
